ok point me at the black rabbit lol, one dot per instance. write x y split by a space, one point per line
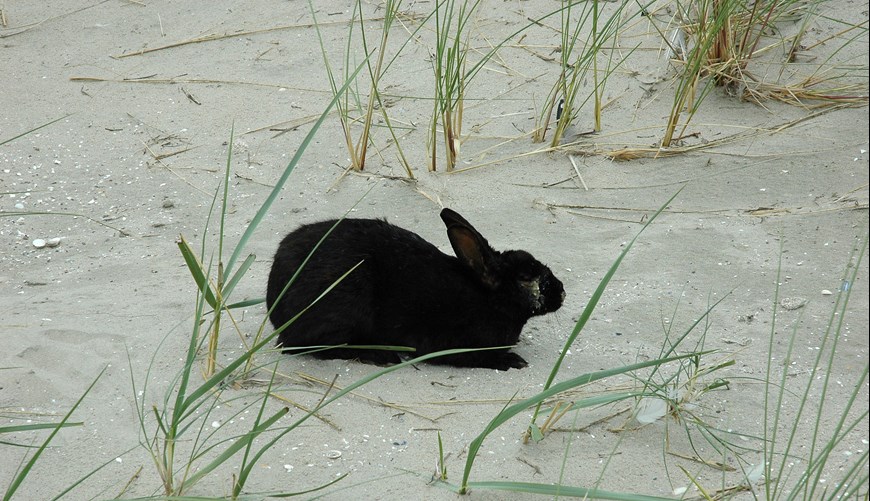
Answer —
406 292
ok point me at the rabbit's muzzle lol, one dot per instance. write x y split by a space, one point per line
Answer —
546 294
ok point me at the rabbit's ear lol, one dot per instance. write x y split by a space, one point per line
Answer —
470 247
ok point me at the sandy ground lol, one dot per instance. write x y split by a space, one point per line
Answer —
141 145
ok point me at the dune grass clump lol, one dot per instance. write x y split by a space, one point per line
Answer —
449 63
792 468
355 109
733 44
584 37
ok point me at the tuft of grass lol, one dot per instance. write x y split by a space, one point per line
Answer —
716 43
791 468
391 10
186 404
711 21
577 59
451 79
453 74
826 425
533 429
351 98
537 400
441 470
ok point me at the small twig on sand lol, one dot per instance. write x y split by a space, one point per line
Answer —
577 170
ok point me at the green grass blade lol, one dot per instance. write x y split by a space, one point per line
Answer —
223 214
245 468
309 491
596 296
833 330
78 482
279 185
234 280
555 389
246 303
33 130
778 454
197 271
347 389
16 482
236 446
39 426
598 400
189 404
178 410
562 491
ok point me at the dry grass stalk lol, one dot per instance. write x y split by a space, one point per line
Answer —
312 379
629 153
223 36
173 81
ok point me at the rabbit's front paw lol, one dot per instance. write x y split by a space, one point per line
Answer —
509 360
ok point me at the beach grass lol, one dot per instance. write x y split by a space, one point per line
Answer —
585 32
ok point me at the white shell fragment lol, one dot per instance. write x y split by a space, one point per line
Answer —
39 243
333 454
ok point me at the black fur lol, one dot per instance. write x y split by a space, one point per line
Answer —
407 293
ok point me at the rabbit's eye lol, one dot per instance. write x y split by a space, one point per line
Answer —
526 274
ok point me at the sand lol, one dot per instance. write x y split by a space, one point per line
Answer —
139 150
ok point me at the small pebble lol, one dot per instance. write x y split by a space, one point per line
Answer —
38 243
826 292
792 303
333 454
168 204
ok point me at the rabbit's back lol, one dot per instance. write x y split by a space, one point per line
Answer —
353 242
393 291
